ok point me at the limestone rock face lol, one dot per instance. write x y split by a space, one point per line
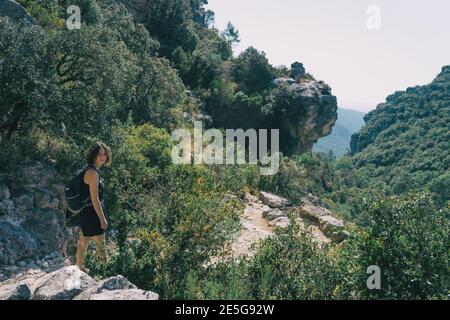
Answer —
319 113
34 240
15 11
32 219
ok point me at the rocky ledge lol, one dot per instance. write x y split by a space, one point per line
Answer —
264 214
70 283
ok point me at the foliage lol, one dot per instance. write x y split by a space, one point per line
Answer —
406 141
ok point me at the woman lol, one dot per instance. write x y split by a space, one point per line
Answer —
92 218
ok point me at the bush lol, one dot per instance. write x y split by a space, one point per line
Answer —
408 238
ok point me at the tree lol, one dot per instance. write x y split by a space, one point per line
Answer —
408 239
231 34
171 23
30 92
252 71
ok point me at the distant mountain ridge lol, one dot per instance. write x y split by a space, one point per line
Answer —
348 122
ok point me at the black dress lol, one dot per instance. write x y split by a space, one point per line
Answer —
89 220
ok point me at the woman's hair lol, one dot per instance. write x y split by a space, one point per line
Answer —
93 151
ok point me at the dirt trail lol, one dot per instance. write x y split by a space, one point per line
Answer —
256 227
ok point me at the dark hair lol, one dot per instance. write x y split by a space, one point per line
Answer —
93 151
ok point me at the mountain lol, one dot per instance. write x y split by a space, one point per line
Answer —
405 143
348 122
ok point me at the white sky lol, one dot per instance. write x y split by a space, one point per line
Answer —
332 40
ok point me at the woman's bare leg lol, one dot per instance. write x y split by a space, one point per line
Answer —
83 245
100 246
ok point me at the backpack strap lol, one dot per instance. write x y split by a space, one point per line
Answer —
89 166
83 171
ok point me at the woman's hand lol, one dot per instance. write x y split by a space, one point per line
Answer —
104 224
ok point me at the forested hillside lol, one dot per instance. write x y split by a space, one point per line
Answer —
405 143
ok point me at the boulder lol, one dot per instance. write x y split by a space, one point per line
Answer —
273 201
313 212
62 284
274 214
333 228
127 294
116 288
313 200
137 9
114 283
281 222
19 291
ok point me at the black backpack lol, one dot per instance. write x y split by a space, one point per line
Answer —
75 203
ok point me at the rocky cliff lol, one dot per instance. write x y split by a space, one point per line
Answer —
32 223
37 248
316 108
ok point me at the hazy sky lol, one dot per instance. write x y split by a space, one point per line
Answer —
332 40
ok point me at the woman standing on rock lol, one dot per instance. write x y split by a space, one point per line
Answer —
92 218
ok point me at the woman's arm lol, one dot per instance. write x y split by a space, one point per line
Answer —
92 180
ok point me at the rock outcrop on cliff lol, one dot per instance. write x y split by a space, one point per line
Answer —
315 113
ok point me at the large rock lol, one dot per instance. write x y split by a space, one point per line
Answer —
15 243
303 110
273 201
313 212
128 294
319 114
63 284
19 291
15 11
116 288
333 228
274 214
280 222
